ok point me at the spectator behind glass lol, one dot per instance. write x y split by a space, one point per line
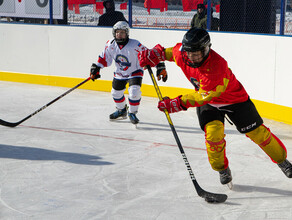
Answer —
111 16
200 19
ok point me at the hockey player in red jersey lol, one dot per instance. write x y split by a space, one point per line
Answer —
217 93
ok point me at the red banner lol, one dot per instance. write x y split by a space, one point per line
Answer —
123 6
99 7
77 10
155 4
189 5
87 1
71 7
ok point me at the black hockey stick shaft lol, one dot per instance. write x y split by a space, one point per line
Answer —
209 197
11 124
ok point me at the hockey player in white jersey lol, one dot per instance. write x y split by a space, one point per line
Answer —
124 51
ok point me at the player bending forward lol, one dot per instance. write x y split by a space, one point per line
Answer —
123 51
217 93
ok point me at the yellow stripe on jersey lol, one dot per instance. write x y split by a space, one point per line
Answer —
199 98
168 53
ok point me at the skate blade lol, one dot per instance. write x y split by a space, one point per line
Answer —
230 185
119 118
134 123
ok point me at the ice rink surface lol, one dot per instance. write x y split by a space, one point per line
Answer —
70 162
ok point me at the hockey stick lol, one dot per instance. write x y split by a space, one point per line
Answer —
208 196
11 124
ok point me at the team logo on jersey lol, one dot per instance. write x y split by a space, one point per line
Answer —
123 62
195 83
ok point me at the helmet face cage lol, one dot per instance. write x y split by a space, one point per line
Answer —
205 52
196 39
121 25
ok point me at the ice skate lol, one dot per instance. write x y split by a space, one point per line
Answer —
286 167
133 118
226 177
119 114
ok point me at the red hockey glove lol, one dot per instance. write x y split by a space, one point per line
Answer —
161 72
152 56
94 72
171 105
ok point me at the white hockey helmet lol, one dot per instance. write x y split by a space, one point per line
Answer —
121 25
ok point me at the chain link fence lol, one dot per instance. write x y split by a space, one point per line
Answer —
249 16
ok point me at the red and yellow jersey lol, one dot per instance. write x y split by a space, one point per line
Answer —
214 82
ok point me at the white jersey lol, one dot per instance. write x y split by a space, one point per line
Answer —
126 59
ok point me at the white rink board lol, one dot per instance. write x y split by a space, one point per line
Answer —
260 62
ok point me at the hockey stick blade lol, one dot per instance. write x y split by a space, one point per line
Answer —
14 124
208 196
8 124
212 197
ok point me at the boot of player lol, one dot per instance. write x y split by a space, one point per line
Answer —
119 114
286 167
225 176
133 118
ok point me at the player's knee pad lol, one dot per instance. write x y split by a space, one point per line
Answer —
214 131
261 136
135 92
270 144
117 94
119 98
215 143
